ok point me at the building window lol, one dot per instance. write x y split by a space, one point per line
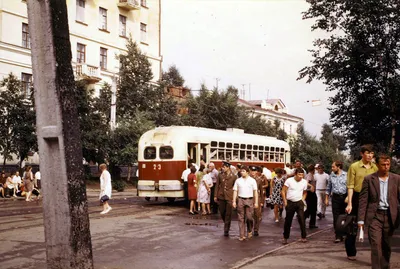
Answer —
103 58
80 10
103 18
122 25
26 80
143 3
143 32
80 53
26 40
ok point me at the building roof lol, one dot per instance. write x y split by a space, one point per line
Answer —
269 101
250 103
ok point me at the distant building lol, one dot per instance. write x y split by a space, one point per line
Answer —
274 109
179 94
98 32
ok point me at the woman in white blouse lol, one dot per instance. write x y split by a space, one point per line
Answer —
105 188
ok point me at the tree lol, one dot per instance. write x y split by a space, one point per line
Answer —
136 91
124 139
213 109
172 77
134 84
17 121
359 61
94 119
311 150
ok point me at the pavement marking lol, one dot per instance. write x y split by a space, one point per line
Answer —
247 261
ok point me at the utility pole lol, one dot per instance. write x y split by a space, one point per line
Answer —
216 80
243 92
65 208
249 91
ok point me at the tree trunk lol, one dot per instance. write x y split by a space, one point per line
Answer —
129 173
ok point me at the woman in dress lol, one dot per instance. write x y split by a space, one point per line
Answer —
192 190
205 192
199 176
28 183
105 188
276 189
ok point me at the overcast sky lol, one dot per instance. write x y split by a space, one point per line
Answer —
259 42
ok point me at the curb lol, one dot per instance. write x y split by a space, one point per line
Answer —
253 259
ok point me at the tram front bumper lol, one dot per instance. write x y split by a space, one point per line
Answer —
164 188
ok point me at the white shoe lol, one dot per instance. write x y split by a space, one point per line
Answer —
103 212
276 220
107 210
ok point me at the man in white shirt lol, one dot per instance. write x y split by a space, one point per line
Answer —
294 193
37 179
184 177
321 179
17 182
214 177
245 190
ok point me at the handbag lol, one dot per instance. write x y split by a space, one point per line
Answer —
104 198
346 224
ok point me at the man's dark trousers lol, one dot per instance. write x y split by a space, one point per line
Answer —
350 242
380 234
338 208
311 211
291 209
225 209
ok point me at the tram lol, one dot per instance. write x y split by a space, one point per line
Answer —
164 153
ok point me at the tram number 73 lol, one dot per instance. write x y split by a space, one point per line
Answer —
157 166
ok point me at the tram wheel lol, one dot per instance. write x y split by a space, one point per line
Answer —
171 199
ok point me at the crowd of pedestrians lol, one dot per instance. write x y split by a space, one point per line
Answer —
13 185
367 191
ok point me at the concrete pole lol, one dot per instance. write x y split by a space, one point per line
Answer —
66 219
113 103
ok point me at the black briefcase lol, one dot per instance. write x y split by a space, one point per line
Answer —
346 225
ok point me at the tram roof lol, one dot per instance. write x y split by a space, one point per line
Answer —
202 135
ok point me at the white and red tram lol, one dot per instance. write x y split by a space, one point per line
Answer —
164 153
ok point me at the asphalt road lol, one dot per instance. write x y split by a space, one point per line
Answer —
141 234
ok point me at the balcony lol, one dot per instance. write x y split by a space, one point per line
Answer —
129 4
87 72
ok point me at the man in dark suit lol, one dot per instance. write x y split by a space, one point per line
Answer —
378 206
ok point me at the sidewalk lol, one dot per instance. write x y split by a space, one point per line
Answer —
319 252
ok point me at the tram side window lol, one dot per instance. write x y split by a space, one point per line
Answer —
150 153
214 150
221 154
242 155
235 155
166 152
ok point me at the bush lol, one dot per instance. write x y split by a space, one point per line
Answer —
119 185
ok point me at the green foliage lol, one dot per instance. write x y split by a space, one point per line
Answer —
172 77
124 140
118 185
359 61
219 109
94 116
17 120
310 150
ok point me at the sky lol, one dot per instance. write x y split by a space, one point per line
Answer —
261 44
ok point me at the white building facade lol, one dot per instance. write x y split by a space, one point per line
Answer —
274 109
99 30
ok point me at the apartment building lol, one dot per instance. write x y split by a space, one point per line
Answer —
274 109
99 30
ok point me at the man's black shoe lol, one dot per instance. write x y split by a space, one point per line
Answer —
255 233
319 215
226 233
313 227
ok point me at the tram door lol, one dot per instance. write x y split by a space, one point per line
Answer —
198 152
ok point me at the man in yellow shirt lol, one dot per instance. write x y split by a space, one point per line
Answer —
355 177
